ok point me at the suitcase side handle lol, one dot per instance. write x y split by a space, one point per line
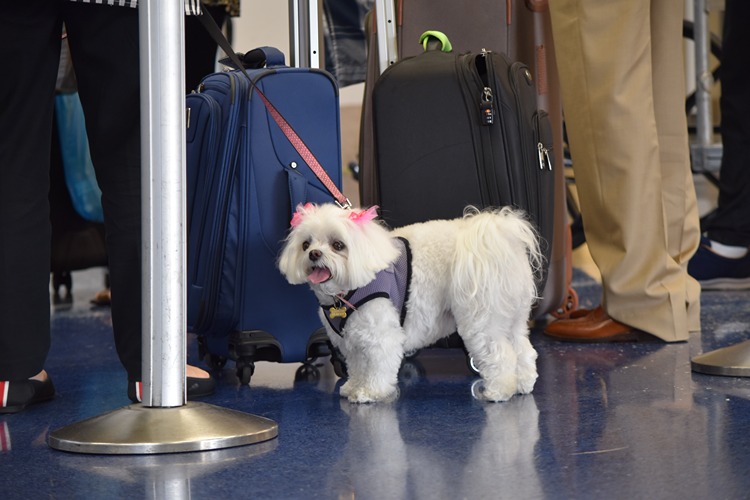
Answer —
263 57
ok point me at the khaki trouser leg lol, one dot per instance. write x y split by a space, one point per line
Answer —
630 156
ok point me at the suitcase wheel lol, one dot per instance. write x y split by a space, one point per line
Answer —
569 305
62 279
472 366
213 361
318 345
308 372
411 354
254 345
245 370
410 372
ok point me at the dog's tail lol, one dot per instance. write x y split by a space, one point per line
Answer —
497 253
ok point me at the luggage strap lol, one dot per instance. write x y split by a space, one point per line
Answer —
299 145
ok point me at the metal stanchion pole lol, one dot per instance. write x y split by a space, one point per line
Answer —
304 34
164 423
385 19
705 152
163 204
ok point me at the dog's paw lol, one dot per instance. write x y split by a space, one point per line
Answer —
346 389
367 395
494 392
526 383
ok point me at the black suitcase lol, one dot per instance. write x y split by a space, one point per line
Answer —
521 29
453 130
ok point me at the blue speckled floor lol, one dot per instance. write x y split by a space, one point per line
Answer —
605 421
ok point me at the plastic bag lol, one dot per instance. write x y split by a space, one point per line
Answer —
74 149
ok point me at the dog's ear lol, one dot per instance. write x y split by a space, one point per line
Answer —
289 261
372 248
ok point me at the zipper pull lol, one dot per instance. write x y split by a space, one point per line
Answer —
540 153
543 156
544 159
486 109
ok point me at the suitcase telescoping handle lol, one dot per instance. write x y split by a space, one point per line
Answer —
307 156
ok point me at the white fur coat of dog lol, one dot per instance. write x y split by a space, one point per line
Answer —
475 275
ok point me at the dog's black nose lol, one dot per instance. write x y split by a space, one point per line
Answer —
315 255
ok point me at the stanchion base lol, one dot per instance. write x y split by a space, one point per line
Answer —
732 361
138 429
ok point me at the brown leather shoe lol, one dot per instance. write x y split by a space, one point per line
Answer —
579 313
596 326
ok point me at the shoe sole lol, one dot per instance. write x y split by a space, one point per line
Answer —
200 387
631 336
726 284
6 410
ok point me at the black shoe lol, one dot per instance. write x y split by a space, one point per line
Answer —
17 395
196 387
199 387
715 272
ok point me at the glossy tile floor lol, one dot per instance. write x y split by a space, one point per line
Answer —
604 421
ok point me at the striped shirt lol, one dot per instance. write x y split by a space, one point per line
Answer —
192 7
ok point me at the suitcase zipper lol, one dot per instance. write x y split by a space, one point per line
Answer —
489 117
203 183
208 313
545 176
545 162
471 84
205 313
519 71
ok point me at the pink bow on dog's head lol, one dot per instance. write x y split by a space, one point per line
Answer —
301 211
359 217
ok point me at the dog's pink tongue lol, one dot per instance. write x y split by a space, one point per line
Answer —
319 275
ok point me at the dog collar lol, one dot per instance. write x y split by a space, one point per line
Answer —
391 283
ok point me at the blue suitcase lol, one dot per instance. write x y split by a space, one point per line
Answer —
244 180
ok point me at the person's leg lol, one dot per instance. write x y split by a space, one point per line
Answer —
345 44
608 98
109 86
730 224
723 260
105 52
678 187
30 34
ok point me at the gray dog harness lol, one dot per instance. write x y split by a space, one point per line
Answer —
391 283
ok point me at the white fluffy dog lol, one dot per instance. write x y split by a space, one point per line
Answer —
475 275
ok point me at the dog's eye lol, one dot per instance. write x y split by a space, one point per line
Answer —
338 246
305 245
